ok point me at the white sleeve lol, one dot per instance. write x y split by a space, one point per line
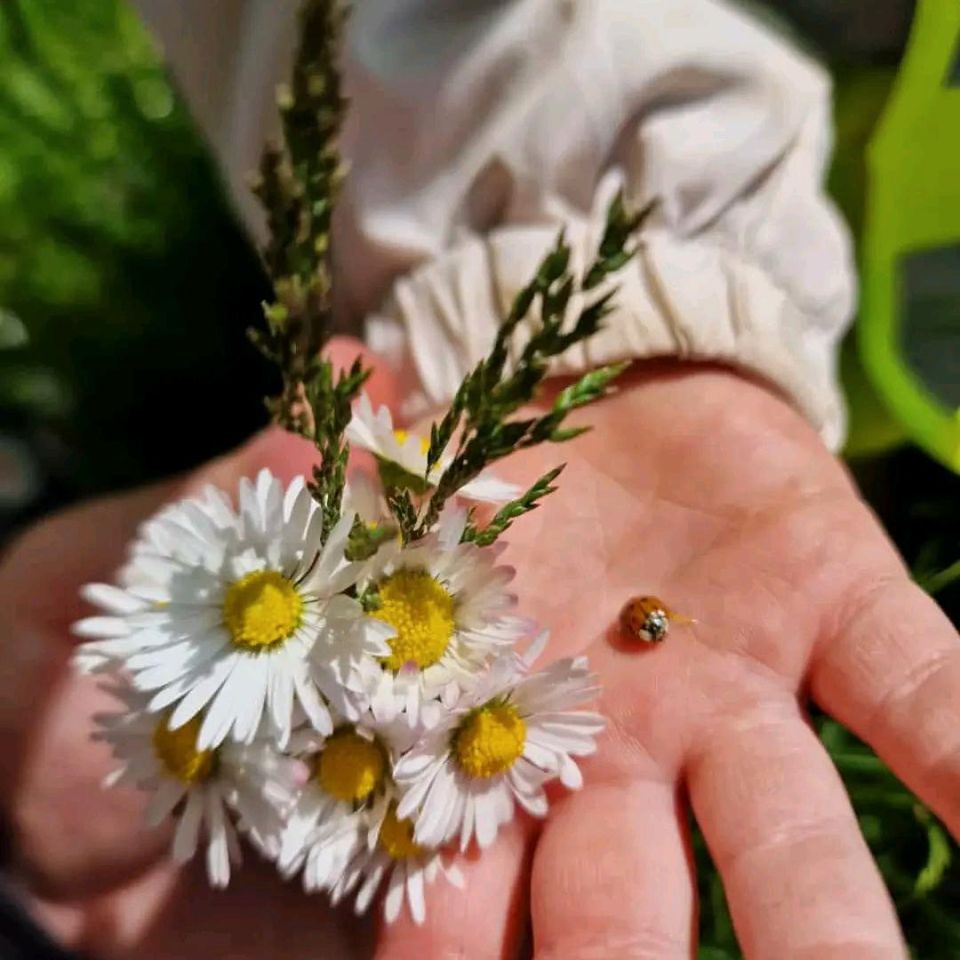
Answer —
479 127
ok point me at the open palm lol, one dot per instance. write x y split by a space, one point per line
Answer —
707 490
697 486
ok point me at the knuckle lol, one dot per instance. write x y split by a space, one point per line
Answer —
646 943
833 831
865 949
911 683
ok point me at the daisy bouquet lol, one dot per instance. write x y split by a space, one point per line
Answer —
335 670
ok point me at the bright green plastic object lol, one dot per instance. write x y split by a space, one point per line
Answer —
910 316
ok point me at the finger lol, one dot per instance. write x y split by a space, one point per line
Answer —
42 573
484 921
172 911
71 835
45 719
612 875
798 875
890 670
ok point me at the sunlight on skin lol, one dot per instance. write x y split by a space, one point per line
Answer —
696 485
707 490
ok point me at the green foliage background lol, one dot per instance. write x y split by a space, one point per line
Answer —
126 287
125 284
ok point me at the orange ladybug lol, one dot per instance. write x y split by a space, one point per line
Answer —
648 619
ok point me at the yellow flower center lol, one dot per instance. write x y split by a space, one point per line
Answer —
402 435
421 610
396 837
350 767
262 610
177 751
490 740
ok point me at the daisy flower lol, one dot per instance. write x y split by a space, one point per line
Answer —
391 855
203 789
343 832
447 605
349 780
497 746
218 610
403 456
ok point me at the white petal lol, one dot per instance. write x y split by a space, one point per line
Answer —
536 648
218 847
280 699
486 817
202 522
114 778
415 789
565 741
291 498
455 876
369 888
270 491
418 907
169 695
171 665
225 708
111 598
188 829
488 488
101 627
570 775
435 814
249 510
467 825
394 898
313 706
199 695
362 430
535 803
255 695
218 505
451 525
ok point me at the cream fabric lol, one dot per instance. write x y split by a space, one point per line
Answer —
479 127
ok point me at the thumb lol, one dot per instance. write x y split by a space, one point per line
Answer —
45 715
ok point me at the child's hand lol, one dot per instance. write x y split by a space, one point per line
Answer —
708 491
88 868
697 486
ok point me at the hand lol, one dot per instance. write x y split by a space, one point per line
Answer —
88 868
707 490
696 485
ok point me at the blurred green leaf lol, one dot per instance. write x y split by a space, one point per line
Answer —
12 331
119 255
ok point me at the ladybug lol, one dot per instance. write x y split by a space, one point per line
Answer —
648 619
